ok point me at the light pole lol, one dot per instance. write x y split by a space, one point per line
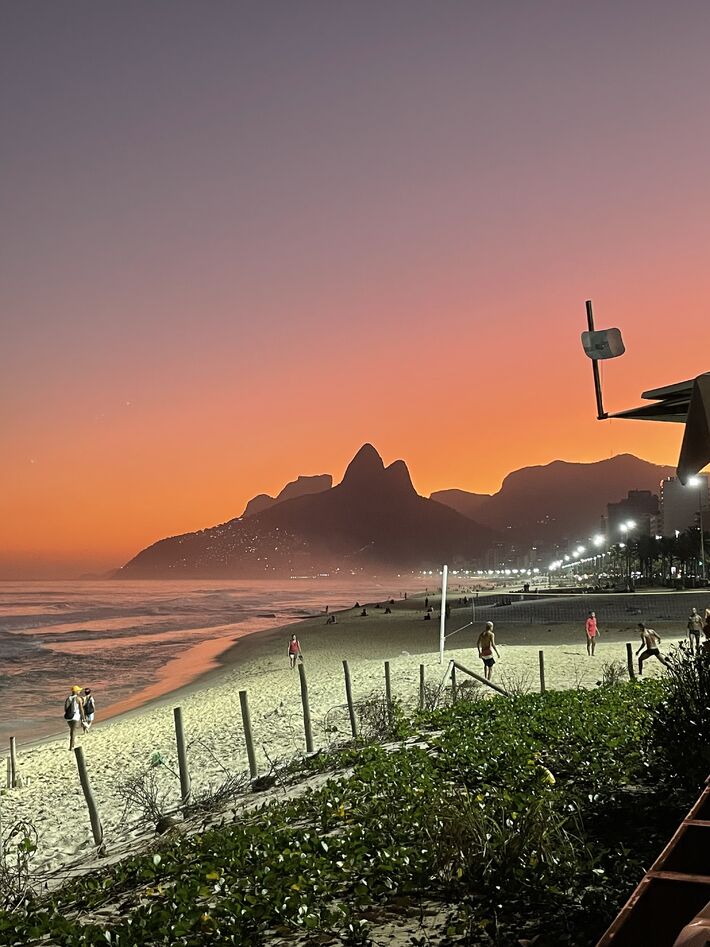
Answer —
698 482
626 529
598 542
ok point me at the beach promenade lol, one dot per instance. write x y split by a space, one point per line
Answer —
121 748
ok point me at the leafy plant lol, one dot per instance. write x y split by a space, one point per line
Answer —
679 740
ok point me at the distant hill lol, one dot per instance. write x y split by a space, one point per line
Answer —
303 486
557 501
373 520
462 501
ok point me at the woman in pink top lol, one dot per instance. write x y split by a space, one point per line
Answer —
592 632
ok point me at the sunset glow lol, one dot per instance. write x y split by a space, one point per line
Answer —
371 222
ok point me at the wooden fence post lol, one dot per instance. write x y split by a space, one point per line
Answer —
453 685
248 738
349 698
9 773
388 691
482 680
96 827
13 762
422 690
542 671
630 660
182 757
306 709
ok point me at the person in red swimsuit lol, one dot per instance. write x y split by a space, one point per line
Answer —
294 651
592 633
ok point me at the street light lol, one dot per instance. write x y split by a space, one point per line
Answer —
626 528
698 482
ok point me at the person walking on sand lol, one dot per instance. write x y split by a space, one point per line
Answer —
89 709
486 645
650 644
695 626
592 633
294 651
74 714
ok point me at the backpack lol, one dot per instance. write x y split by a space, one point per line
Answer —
69 707
89 706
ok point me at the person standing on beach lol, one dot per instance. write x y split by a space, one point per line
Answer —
74 714
294 651
695 626
486 645
89 709
650 641
592 632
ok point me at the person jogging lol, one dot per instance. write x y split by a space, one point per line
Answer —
650 645
592 633
486 645
74 714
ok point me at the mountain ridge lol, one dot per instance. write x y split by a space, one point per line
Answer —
373 519
555 501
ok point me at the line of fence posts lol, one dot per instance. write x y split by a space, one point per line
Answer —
185 781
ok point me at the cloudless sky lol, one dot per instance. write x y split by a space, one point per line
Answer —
240 239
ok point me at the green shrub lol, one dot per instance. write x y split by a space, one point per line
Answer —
679 738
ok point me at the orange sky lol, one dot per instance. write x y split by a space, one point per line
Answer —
237 254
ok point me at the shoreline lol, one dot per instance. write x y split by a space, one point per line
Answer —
120 750
223 661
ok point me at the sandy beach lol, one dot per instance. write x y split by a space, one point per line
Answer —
122 747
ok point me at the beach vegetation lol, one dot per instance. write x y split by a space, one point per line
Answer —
521 817
680 741
18 847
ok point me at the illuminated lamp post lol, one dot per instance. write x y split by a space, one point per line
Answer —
698 482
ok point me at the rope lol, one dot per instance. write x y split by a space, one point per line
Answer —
467 625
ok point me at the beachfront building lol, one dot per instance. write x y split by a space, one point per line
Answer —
681 504
640 507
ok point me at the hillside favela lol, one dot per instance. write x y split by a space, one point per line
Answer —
355 509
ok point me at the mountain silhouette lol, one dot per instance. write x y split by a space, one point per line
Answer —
302 486
557 501
372 521
461 500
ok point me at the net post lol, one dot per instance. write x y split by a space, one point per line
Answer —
442 619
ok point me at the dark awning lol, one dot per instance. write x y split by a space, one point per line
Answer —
687 402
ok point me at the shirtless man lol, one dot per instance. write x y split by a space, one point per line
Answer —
695 626
650 641
486 645
592 632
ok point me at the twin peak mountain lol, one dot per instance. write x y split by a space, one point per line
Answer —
373 521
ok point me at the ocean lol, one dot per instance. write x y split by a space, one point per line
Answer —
134 641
